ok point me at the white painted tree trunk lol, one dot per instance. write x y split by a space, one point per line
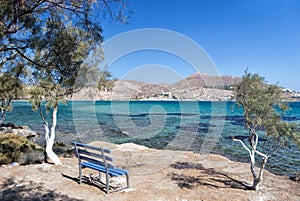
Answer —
2 116
50 139
256 179
5 105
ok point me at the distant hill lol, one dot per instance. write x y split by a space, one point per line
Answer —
205 80
198 86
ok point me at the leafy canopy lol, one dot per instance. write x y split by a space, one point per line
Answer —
11 88
46 41
263 109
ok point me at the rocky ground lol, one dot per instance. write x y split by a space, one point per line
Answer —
154 175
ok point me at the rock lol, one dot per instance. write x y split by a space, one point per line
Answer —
127 190
296 177
13 164
23 131
10 125
117 181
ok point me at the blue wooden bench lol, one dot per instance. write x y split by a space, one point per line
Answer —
99 159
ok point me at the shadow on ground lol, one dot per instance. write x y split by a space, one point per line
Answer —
87 180
204 176
29 191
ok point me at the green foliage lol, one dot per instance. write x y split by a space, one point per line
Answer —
264 108
106 83
10 88
89 72
51 93
14 148
45 42
23 24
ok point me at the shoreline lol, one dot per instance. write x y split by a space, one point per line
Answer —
72 136
154 175
154 100
68 132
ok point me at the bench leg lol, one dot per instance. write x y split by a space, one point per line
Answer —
107 183
80 174
127 180
99 176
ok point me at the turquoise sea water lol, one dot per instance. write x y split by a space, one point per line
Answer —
182 125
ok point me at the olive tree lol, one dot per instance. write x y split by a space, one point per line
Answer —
263 111
52 39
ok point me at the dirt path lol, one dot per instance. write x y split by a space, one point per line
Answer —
154 175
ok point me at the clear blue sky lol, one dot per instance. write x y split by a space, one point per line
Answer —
261 35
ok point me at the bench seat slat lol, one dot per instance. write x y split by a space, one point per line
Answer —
112 172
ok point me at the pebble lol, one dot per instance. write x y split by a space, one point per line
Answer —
13 164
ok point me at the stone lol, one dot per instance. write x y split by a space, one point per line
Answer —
23 131
13 164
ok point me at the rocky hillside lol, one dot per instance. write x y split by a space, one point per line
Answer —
198 86
205 80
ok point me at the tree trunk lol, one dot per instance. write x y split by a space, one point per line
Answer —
2 116
3 109
252 164
252 151
256 180
50 139
259 179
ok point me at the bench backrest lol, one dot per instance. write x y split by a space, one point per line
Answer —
93 154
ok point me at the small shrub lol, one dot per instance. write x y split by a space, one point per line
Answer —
15 148
61 149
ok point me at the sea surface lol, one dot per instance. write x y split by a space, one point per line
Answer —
204 127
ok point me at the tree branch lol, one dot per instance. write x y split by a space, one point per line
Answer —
63 6
27 58
21 54
261 154
42 116
12 27
237 140
108 9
